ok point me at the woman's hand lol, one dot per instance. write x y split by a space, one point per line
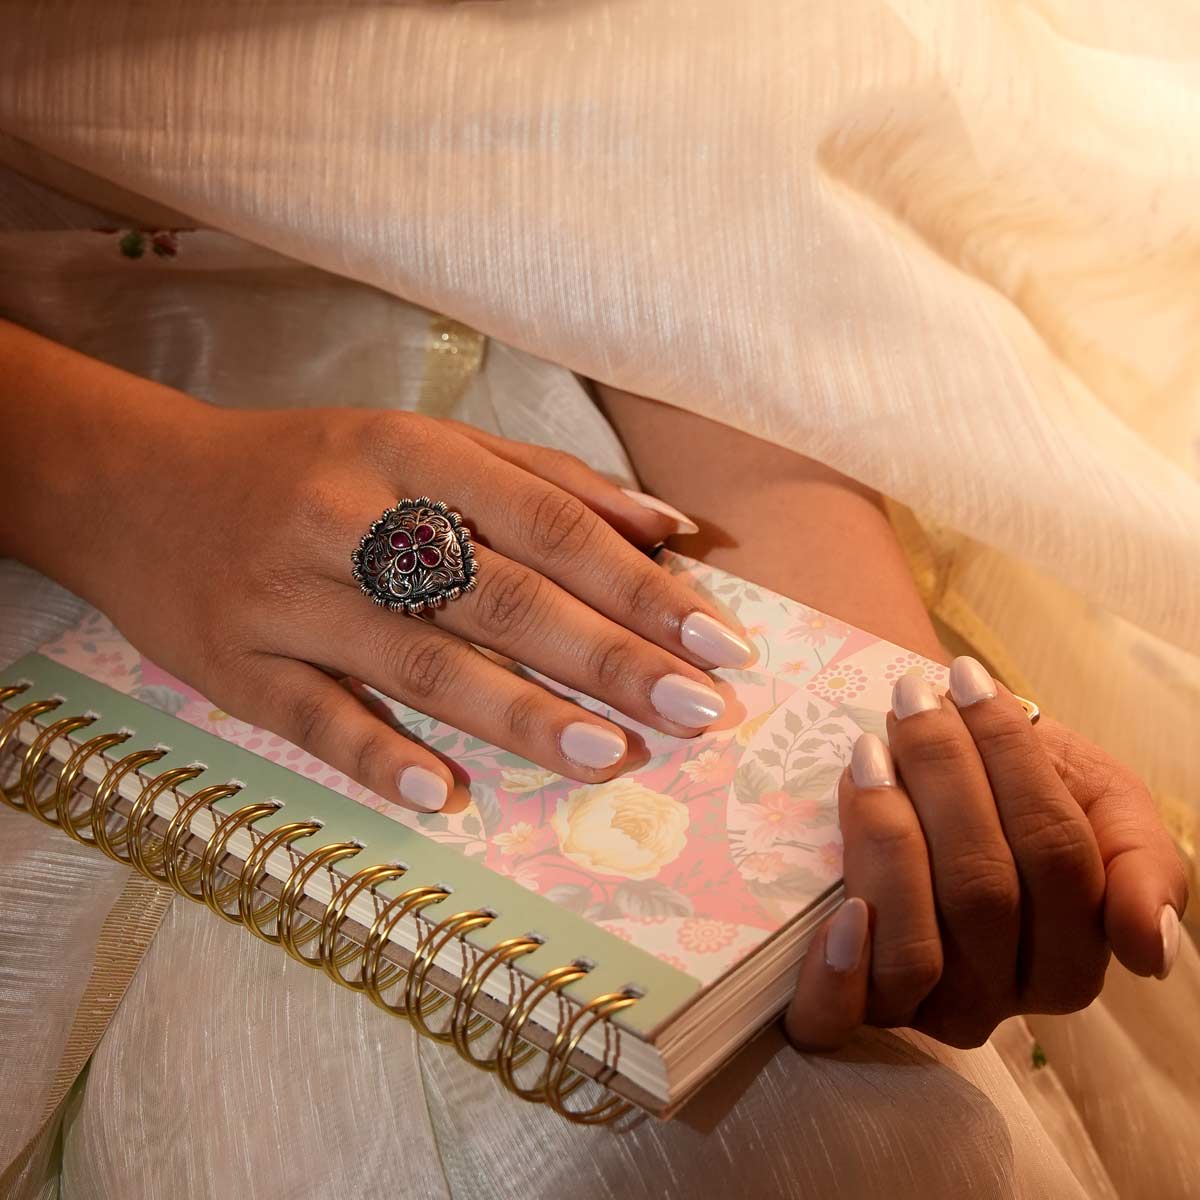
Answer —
219 542
277 500
990 866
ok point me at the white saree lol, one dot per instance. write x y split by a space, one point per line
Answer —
951 251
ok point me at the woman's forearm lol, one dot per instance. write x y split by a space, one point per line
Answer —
776 517
75 436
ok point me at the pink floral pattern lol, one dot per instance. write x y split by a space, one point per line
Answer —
699 855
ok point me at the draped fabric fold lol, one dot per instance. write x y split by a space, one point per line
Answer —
951 251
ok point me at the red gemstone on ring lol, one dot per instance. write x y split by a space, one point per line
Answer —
401 539
430 555
423 533
406 562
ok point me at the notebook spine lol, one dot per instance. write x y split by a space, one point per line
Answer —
204 876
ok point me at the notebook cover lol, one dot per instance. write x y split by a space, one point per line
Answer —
675 871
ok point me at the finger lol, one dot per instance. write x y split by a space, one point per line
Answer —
886 863
559 536
317 714
1063 954
644 520
444 677
526 617
831 995
1146 890
974 877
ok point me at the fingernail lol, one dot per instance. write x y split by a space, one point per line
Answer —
969 682
717 644
591 745
871 763
422 789
685 701
910 695
683 523
1168 927
846 937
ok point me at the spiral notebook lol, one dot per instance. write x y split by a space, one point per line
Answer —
594 946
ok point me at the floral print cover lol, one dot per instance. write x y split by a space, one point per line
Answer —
698 855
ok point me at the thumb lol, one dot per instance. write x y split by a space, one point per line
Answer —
831 996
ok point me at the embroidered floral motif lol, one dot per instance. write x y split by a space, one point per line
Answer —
133 243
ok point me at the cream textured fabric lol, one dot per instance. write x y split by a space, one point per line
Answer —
952 250
230 1070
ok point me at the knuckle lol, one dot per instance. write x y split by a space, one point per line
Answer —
647 596
980 888
1002 740
559 524
561 462
966 1033
510 599
524 716
366 753
391 436
1089 772
612 664
424 666
308 719
319 507
889 837
1079 986
1050 842
940 748
905 972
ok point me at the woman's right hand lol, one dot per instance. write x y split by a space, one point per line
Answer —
992 866
221 549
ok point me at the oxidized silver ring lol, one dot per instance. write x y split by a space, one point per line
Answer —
417 555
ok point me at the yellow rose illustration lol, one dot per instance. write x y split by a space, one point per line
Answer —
621 828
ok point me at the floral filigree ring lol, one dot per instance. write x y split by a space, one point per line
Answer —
417 555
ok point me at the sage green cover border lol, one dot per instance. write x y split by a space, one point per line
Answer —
568 936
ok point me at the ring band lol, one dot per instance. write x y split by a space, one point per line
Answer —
417 555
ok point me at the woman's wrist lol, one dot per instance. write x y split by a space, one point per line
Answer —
82 442
782 520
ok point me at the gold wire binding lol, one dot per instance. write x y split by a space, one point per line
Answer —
31 763
146 851
65 791
254 917
333 957
465 1024
9 690
174 850
421 1003
11 725
292 938
559 1068
377 978
510 1046
217 897
107 795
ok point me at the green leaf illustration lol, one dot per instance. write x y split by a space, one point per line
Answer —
648 898
573 896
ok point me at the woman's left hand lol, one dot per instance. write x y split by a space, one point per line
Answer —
990 867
